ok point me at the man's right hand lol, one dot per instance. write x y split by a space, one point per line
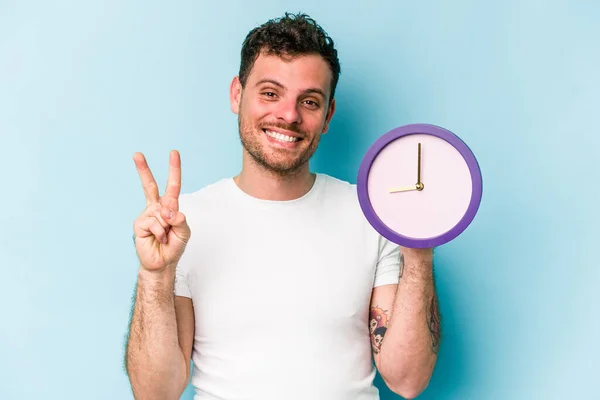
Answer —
161 232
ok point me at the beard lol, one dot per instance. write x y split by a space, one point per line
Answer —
281 162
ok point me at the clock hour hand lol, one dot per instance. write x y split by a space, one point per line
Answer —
403 189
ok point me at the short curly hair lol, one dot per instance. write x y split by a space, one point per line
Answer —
292 35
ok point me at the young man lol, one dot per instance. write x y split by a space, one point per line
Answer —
272 281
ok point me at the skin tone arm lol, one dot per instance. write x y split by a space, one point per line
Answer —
405 325
159 344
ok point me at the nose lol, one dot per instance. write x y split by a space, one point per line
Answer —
287 110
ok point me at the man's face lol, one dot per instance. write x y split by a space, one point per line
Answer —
283 110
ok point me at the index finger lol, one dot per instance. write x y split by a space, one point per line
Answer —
148 182
174 182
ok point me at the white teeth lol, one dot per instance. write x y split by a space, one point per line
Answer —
281 137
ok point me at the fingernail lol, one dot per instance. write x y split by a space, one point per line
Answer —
169 214
164 240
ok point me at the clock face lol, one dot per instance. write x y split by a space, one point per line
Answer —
419 186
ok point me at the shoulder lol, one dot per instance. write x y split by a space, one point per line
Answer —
340 202
208 195
340 197
339 190
336 184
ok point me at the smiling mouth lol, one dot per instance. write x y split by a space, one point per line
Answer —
281 137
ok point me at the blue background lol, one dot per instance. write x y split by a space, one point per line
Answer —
83 85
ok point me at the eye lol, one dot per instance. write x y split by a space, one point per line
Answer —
270 95
311 103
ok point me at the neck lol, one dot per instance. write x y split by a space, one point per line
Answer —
263 184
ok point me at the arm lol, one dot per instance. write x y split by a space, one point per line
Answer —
160 340
159 344
404 325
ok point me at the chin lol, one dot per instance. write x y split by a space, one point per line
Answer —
282 167
276 157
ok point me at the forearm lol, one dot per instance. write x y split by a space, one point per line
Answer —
154 360
409 350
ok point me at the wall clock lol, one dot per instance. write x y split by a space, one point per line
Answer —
419 185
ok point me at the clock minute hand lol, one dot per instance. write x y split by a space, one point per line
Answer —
420 185
419 165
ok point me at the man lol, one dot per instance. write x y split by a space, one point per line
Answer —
283 291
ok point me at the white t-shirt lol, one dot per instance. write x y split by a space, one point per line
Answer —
281 293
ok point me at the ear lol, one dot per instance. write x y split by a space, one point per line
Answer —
235 94
330 113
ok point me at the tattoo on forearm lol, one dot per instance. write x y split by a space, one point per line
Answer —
401 265
378 323
433 323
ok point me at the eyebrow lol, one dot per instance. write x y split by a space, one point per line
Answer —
274 82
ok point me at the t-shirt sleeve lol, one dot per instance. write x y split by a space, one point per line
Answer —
181 284
388 265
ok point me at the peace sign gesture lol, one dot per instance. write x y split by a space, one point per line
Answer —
161 232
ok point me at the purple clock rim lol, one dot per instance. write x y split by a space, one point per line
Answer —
363 177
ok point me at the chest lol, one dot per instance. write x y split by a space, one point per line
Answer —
287 273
